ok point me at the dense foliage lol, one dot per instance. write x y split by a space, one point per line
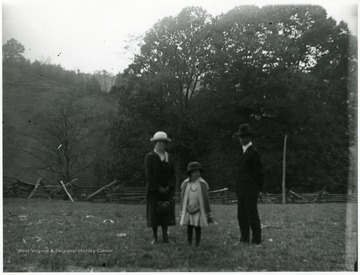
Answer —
286 70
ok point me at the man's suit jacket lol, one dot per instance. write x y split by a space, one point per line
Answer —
250 177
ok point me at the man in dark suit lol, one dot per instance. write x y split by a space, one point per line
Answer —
249 185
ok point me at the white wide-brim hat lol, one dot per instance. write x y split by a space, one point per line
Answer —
160 136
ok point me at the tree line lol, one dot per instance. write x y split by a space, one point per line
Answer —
286 70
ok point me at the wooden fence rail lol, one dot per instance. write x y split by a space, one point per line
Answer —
115 193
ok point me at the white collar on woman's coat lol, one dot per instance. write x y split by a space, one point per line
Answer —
165 154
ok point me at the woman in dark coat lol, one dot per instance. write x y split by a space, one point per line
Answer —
160 186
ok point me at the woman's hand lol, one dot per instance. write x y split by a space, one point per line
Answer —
210 218
164 190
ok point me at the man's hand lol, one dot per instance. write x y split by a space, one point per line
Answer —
261 195
210 218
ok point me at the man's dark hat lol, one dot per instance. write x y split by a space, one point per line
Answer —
244 130
192 166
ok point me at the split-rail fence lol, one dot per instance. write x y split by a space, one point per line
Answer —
114 192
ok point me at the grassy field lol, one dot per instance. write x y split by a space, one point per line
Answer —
112 237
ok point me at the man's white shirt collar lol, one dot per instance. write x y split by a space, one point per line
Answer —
245 147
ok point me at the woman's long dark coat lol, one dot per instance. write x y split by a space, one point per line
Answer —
159 174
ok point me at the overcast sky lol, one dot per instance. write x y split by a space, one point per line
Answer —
91 35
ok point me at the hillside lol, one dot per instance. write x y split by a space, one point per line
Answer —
25 96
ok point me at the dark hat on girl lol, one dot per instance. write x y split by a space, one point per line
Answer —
192 166
244 130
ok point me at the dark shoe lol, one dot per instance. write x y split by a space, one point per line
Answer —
244 240
241 242
189 241
168 241
166 238
154 241
244 232
256 242
256 233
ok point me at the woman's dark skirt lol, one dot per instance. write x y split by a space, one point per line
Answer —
155 219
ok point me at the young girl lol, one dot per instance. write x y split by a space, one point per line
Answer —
195 205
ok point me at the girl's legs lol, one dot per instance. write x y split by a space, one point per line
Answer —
190 233
198 235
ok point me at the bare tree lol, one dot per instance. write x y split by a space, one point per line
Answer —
68 139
